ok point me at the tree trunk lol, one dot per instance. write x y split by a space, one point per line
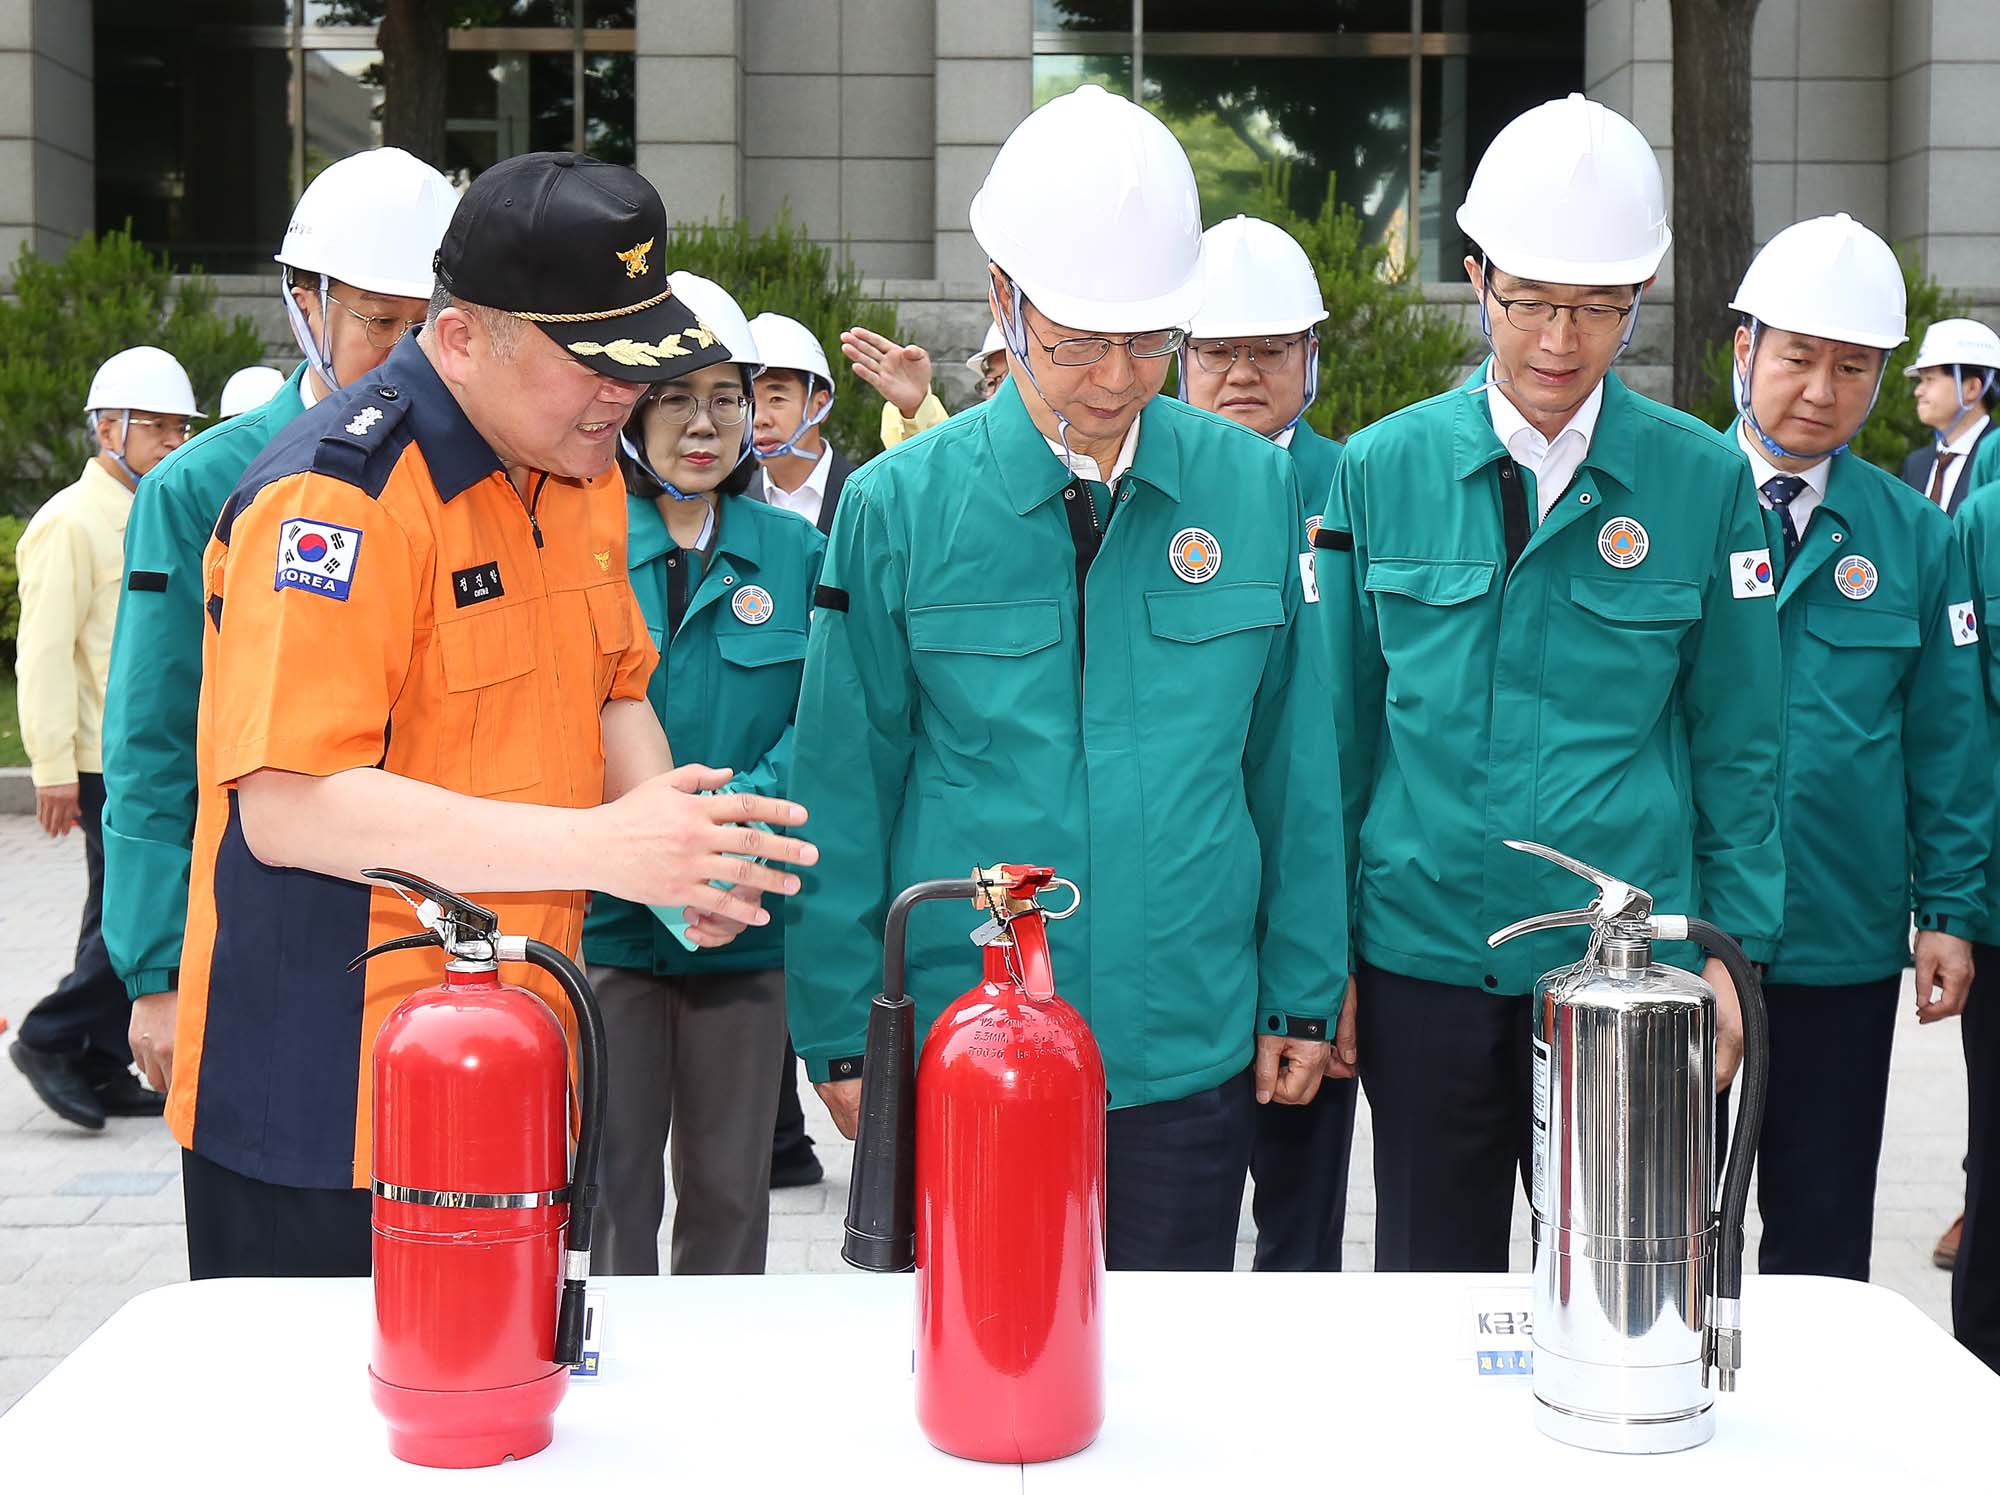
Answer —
1713 223
414 42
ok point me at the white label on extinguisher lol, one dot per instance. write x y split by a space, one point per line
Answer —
593 1336
1537 1195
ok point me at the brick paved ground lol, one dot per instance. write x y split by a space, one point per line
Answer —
89 1220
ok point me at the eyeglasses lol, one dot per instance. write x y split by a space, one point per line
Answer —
1077 352
382 331
680 409
1268 355
1589 320
166 425
989 384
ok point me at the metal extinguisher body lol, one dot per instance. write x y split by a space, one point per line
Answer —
482 1215
1010 1215
471 1200
1624 1215
1638 1263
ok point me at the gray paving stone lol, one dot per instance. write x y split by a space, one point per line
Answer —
47 1209
116 1183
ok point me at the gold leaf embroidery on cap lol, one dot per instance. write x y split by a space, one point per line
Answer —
631 352
634 259
703 338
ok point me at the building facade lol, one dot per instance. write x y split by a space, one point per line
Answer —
872 122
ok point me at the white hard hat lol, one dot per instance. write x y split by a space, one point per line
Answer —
142 378
373 220
248 388
787 344
1827 277
990 344
720 314
1957 340
1570 193
1091 209
1259 282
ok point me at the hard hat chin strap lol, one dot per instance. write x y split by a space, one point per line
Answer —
1958 394
124 434
1014 332
1486 318
318 351
789 447
1740 382
1312 380
638 457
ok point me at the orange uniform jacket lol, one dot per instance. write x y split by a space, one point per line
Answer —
378 596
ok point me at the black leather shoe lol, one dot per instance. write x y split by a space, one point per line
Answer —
62 1083
796 1167
121 1094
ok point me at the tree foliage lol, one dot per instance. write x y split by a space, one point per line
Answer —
1381 347
782 270
65 318
1892 430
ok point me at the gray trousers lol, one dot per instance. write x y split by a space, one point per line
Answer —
693 1071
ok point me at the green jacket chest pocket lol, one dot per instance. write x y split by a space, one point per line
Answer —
1855 662
1624 645
490 740
1429 622
767 660
1206 653
979 664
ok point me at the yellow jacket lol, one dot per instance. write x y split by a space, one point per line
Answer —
72 561
895 428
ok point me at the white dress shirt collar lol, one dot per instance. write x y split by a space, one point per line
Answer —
810 495
1553 463
1762 471
1086 467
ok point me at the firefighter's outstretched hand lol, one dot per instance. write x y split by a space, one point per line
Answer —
668 843
1288 1070
843 1104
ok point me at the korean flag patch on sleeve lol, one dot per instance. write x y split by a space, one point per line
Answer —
314 556
1750 574
1964 623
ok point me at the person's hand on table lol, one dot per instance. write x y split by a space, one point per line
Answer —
1288 1070
901 375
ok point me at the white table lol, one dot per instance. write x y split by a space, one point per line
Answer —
1218 1383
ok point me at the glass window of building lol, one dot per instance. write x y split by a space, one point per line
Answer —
1390 101
212 115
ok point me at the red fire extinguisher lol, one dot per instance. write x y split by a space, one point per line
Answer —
479 1299
1002 1213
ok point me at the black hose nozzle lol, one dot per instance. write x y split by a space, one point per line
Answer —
881 1227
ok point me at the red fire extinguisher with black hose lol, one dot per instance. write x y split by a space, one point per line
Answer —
479 1298
989 1179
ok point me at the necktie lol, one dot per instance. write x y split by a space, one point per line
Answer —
1940 476
1778 494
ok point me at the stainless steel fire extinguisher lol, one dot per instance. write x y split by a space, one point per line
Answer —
1638 1268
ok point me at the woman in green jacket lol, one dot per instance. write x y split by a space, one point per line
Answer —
697 1037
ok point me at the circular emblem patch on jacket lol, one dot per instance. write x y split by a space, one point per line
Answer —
1855 576
1623 542
751 604
1194 555
1313 522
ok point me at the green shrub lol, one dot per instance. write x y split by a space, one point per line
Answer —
1381 347
1892 431
64 319
783 270
10 592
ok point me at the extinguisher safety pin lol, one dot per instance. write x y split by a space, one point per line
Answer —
1075 901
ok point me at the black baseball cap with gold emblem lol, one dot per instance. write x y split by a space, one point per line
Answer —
576 246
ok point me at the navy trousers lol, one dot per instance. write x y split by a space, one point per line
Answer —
1174 1174
1975 1279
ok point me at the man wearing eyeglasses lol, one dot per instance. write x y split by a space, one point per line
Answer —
1557 624
72 1045
1068 626
356 264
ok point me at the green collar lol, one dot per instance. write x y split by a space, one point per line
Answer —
1032 474
736 535
1614 441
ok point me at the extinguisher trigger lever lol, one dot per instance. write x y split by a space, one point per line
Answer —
404 942
1616 900
454 921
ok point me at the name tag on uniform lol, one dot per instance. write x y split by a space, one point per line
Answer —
315 556
479 583
1309 576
